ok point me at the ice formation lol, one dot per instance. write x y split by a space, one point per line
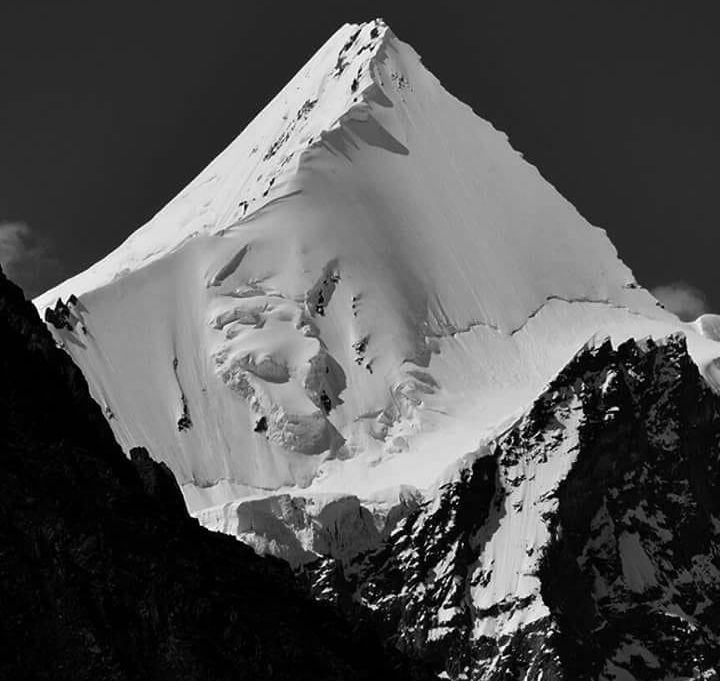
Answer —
366 283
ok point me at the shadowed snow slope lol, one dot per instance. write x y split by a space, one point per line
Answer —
365 282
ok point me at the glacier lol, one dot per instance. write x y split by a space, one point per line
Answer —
367 285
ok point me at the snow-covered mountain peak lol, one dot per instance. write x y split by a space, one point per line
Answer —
256 167
349 298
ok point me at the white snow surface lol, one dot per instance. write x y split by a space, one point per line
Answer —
505 578
708 325
367 245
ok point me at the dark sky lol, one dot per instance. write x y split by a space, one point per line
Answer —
108 108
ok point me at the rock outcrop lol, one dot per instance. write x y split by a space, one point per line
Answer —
583 543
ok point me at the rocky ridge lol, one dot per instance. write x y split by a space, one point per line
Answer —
583 543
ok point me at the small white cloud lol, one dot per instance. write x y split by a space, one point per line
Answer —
13 242
685 300
26 258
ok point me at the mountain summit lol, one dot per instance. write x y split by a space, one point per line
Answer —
371 339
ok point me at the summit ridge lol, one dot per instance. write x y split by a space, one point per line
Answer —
257 166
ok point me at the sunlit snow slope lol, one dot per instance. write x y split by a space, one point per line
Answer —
365 282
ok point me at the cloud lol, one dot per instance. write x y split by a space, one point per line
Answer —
685 300
26 258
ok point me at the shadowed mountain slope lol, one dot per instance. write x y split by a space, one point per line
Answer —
103 575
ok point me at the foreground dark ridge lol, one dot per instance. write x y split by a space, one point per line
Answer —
103 575
604 498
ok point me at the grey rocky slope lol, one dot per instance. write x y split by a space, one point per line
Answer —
605 496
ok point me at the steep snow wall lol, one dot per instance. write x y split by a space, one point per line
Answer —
365 282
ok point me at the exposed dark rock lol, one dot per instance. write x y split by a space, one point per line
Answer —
103 575
158 482
319 296
360 348
325 402
646 480
184 422
628 571
59 316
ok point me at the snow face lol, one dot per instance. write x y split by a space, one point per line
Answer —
360 288
506 585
